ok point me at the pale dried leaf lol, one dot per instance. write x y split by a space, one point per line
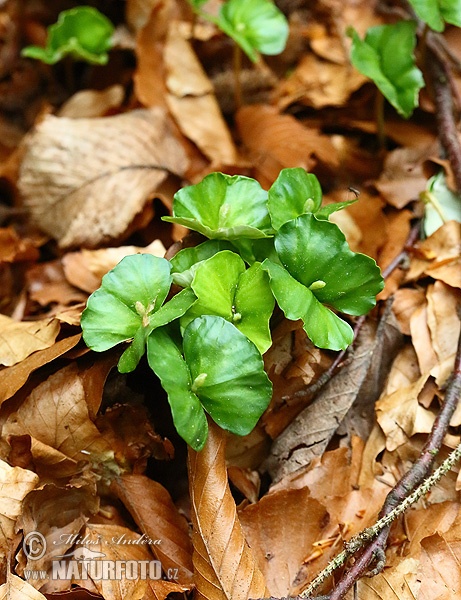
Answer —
16 588
400 582
92 103
85 180
153 510
159 589
86 268
18 340
421 339
192 102
15 484
441 566
225 567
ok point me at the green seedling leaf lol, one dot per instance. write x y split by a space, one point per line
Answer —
81 32
221 371
224 287
386 56
186 261
441 204
293 193
316 254
323 327
197 4
223 207
325 211
165 358
257 26
438 12
227 373
125 307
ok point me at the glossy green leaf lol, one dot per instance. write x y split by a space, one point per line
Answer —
441 204
224 287
293 193
196 4
166 360
128 305
257 26
316 254
81 32
386 56
227 373
325 211
173 309
185 262
323 327
223 207
438 12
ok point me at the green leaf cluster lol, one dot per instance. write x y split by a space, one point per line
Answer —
386 56
81 32
438 12
206 342
257 26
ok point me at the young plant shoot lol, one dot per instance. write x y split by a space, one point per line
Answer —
82 33
206 342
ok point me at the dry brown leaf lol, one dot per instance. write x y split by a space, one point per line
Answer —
15 484
47 284
348 397
400 415
192 102
16 588
92 103
85 180
86 268
56 417
439 256
58 514
14 249
159 589
406 301
319 83
18 340
276 141
225 566
398 229
15 377
153 510
400 582
441 566
281 529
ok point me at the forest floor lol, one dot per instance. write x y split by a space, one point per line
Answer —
90 159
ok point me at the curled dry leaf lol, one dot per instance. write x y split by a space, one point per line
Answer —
192 102
15 377
92 103
225 567
85 180
152 508
56 417
15 484
18 340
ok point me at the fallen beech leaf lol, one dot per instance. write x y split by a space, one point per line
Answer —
16 588
192 102
225 567
86 268
399 582
158 589
276 530
14 249
15 377
18 340
350 392
440 564
56 417
92 103
153 510
85 180
406 301
15 484
58 514
277 141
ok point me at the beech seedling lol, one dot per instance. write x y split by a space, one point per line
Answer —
205 343
83 33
